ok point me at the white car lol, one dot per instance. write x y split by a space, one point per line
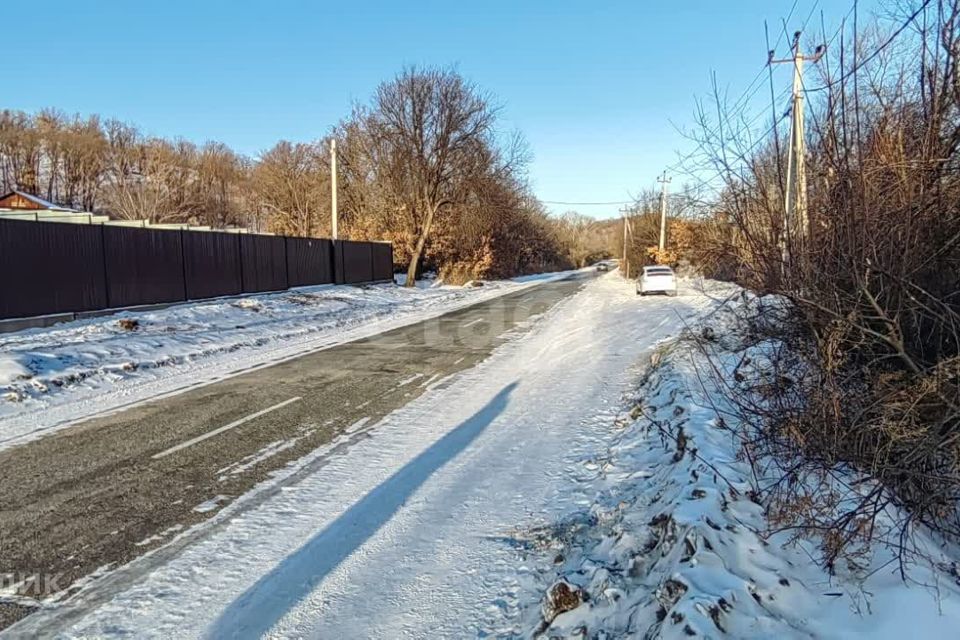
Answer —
657 279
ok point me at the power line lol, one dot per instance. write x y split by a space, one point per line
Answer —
748 94
843 22
744 99
803 27
789 15
876 52
711 133
588 204
742 155
753 88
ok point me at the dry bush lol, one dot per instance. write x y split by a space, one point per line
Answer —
667 256
871 381
844 453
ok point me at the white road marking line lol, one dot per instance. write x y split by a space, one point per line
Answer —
412 378
431 379
473 322
235 423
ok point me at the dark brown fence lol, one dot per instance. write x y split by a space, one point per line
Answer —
211 264
263 262
310 261
357 261
138 264
382 260
48 268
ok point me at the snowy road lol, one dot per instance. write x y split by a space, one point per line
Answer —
412 529
51 378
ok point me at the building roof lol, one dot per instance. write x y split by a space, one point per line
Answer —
37 200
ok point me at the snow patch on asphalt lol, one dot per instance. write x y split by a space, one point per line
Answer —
160 537
212 504
251 461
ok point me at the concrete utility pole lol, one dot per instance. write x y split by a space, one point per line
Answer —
333 188
795 198
625 264
664 181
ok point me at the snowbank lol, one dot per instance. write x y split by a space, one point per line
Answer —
674 546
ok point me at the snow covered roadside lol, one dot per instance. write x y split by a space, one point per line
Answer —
581 460
55 376
673 546
414 529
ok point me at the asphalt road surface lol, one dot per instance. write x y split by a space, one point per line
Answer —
107 490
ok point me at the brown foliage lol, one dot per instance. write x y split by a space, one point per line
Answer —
874 377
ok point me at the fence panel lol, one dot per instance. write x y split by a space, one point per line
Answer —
264 262
50 268
357 261
309 261
211 264
143 266
382 261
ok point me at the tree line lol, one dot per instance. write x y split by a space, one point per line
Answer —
421 164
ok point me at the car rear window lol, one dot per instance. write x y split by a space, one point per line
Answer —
659 271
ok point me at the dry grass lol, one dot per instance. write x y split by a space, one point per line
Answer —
864 371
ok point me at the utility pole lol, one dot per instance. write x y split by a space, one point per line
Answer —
333 188
664 181
625 263
795 198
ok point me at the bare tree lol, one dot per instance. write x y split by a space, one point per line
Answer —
153 187
84 162
432 132
290 184
21 151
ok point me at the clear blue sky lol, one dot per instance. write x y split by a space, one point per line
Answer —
593 86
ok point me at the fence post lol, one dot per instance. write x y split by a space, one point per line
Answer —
286 264
336 258
243 285
286 257
183 266
392 279
103 260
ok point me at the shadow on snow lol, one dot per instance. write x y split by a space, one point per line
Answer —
265 603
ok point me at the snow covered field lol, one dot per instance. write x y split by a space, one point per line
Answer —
54 376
